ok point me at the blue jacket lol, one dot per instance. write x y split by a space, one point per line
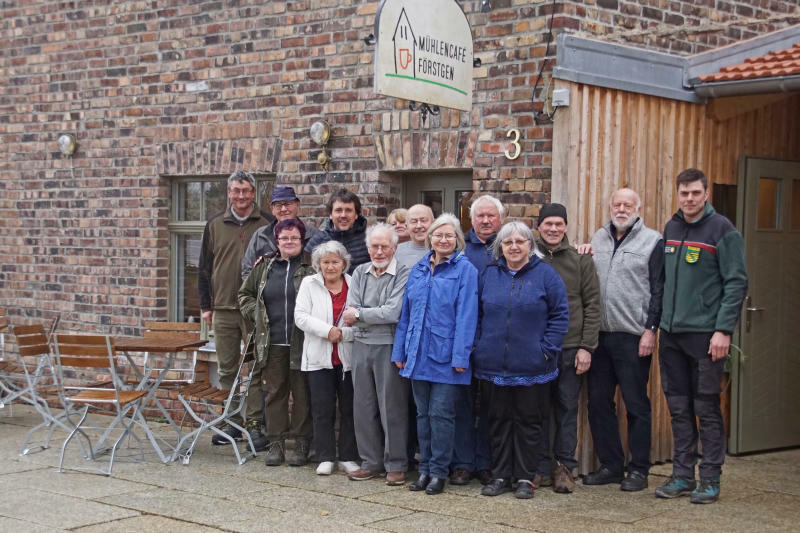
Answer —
523 320
437 324
480 254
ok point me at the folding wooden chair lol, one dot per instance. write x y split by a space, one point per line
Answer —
40 384
82 352
218 406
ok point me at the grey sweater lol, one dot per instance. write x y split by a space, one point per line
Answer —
378 300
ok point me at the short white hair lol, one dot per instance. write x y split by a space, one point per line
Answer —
383 226
487 199
330 247
508 229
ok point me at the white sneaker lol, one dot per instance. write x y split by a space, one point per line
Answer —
348 466
325 468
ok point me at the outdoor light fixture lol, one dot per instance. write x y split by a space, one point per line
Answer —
320 133
67 144
486 6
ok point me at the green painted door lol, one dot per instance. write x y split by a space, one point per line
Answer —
765 405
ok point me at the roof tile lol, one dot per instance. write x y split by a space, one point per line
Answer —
777 63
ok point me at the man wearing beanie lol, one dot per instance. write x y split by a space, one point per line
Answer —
285 204
629 258
583 295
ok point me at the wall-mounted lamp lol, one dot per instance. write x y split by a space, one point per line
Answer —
370 39
486 6
320 133
67 143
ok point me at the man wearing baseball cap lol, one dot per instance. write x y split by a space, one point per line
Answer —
285 204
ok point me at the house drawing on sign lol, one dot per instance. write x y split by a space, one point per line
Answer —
405 46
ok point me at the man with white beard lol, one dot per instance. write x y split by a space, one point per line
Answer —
629 258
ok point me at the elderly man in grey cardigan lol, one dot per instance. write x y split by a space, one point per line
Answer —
374 302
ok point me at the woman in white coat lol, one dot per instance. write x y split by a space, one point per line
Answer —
326 355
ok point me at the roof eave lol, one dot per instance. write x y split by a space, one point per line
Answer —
773 84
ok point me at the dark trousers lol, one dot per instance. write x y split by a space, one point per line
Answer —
564 394
516 433
616 362
277 381
471 451
329 387
691 383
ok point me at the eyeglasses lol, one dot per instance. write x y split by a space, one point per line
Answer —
241 192
289 239
282 205
443 236
380 247
515 242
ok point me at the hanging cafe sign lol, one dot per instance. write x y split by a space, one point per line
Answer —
424 52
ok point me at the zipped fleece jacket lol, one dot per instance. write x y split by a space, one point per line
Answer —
353 239
253 308
437 324
522 321
706 277
479 253
626 290
583 293
219 268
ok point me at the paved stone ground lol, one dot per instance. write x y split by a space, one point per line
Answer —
759 493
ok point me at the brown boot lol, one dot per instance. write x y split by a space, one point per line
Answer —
562 479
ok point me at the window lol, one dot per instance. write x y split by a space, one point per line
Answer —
194 200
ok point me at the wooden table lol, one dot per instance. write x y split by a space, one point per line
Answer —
169 346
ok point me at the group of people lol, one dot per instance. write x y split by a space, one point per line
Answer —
463 350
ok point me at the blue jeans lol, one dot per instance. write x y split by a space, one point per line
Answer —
471 451
436 413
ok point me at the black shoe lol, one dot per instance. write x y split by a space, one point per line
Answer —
524 490
484 476
460 476
635 481
604 476
496 487
435 485
232 432
274 454
300 455
421 483
258 438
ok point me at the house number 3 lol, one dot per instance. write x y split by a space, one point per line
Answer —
514 143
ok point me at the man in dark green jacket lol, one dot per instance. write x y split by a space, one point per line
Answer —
583 295
705 286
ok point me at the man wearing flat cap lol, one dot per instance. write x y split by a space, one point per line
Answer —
583 295
285 204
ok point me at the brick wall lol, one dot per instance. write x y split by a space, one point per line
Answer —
155 88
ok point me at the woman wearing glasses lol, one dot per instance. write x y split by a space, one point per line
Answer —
524 316
267 299
433 342
327 348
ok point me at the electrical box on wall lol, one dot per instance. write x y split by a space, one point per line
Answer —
561 98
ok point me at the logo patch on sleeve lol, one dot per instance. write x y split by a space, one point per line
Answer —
669 249
692 254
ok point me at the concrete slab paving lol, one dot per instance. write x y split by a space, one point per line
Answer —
56 510
759 493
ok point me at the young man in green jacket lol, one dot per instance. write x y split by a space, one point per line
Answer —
705 286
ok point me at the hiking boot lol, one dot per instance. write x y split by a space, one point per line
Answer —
496 487
524 490
676 486
604 476
635 481
300 455
274 453
232 432
562 480
543 480
706 492
460 476
258 438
